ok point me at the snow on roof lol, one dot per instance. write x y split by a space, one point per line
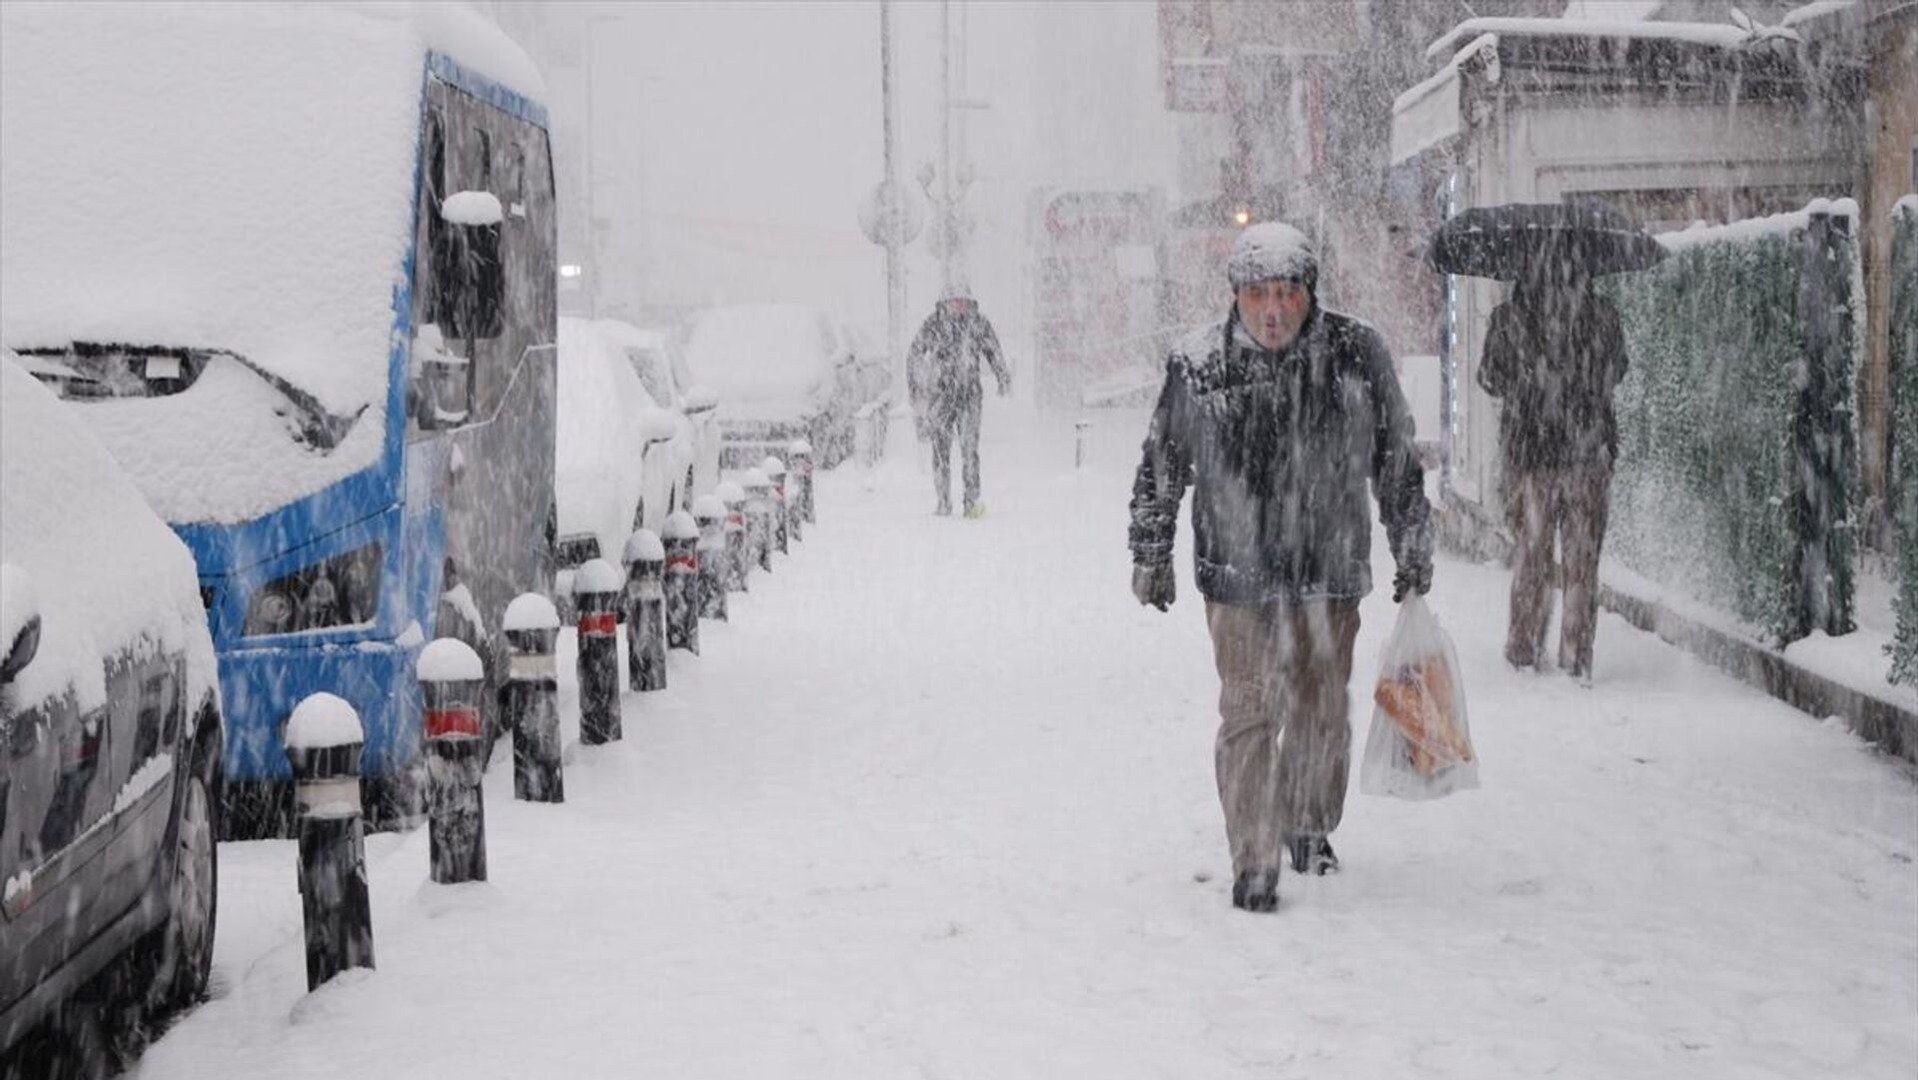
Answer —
1750 229
1447 71
221 176
81 548
1718 34
321 720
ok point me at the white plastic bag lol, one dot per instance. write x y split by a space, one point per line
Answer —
1420 746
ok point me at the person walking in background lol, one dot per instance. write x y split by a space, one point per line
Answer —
1554 353
942 373
1277 419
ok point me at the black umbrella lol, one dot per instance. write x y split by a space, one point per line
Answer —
1521 241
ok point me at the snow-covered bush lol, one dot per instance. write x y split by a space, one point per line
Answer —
1904 428
1736 429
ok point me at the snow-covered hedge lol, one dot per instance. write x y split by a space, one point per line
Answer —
1736 428
1904 432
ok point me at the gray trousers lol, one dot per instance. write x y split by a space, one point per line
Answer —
1569 506
1285 744
943 421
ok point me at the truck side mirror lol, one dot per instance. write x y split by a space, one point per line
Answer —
468 273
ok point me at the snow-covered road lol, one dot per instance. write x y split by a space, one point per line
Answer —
938 803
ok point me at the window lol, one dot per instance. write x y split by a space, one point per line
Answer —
485 170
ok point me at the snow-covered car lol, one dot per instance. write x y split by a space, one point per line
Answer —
662 368
784 371
110 729
628 454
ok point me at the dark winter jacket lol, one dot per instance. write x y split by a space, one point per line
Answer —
1554 358
942 368
1278 448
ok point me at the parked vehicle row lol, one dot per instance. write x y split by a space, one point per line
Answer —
310 470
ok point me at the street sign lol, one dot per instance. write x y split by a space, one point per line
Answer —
887 203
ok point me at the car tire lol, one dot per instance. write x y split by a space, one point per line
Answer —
179 955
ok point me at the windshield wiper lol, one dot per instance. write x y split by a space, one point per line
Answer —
319 427
98 371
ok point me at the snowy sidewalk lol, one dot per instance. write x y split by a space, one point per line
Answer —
938 803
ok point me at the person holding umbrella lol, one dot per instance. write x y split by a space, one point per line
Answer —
1553 355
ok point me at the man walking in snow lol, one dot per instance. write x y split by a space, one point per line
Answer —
1277 419
1554 353
942 372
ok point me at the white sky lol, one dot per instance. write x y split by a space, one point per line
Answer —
754 129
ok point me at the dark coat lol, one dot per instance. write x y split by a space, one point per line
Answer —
1278 449
942 367
1554 358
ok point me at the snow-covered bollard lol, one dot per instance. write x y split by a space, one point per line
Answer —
596 590
710 515
775 471
759 517
645 603
452 682
734 498
532 698
799 464
682 581
323 742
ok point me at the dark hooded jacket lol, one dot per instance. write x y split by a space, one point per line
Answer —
1554 357
942 367
1278 448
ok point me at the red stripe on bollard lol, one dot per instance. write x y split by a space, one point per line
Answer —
455 721
682 564
600 623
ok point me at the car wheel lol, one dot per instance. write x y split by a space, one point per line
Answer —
185 959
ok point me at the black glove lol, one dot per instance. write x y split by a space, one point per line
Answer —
1414 576
1153 584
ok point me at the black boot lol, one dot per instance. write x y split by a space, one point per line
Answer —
1256 890
1313 855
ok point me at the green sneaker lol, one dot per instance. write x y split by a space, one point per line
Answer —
975 511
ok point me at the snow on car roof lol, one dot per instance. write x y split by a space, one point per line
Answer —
101 569
221 176
765 352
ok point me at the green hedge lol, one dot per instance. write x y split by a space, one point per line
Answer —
1736 438
1904 435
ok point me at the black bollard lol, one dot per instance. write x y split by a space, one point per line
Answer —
799 463
682 582
532 698
644 601
759 518
737 565
710 515
451 682
323 742
775 471
596 588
